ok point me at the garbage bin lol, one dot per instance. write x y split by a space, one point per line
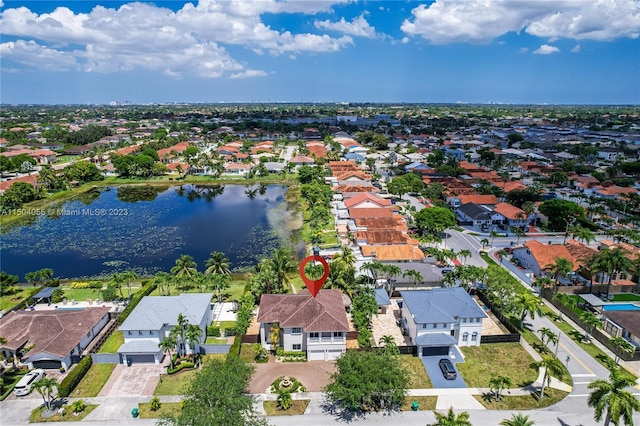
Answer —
414 406
135 413
128 362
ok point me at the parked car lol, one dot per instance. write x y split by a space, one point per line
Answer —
448 371
23 387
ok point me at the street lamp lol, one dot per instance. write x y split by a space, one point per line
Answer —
566 229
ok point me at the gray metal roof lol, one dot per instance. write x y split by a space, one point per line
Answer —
435 339
382 298
45 293
592 299
154 311
475 211
441 305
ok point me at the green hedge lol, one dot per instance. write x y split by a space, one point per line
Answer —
74 377
213 331
146 290
179 367
234 350
26 301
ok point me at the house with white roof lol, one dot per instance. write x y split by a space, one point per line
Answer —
438 319
152 320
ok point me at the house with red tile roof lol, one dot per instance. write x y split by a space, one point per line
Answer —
538 257
237 168
366 200
393 253
315 325
513 216
302 160
30 179
484 200
370 212
57 337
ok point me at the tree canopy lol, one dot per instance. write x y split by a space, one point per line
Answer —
435 219
559 211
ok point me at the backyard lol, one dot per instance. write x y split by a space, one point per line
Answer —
113 343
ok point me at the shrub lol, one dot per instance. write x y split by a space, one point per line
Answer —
57 295
74 377
262 354
295 385
135 299
284 400
78 406
213 331
95 285
79 285
154 404
230 331
180 367
234 350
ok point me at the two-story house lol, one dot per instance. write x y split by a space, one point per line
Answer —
437 319
152 320
317 325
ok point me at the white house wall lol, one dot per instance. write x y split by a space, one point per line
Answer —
527 260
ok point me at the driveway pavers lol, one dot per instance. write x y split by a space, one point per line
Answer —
139 379
314 375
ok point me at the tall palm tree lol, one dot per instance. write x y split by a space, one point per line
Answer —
451 419
218 283
341 277
347 256
584 235
414 276
45 387
282 263
128 277
552 368
547 336
374 268
526 304
118 279
193 334
621 345
560 268
493 236
518 420
217 263
617 261
464 255
179 330
185 267
497 384
610 397
392 271
162 280
589 321
167 345
484 242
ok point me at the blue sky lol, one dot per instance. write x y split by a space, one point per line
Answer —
476 51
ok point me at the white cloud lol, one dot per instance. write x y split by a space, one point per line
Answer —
523 50
546 49
32 54
248 73
191 41
576 49
405 40
481 21
359 27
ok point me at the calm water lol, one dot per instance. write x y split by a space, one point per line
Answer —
146 229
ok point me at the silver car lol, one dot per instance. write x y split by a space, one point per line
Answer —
23 387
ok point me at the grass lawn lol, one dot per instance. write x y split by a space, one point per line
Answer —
297 408
113 343
425 403
209 357
525 402
248 352
418 377
82 294
69 417
10 379
216 341
486 361
174 384
9 301
626 297
166 408
94 380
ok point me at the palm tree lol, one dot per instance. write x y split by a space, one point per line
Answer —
414 276
526 303
484 242
493 236
584 235
389 345
218 283
374 268
560 268
621 345
162 279
552 368
617 261
497 385
464 255
45 388
451 419
217 264
185 267
118 279
193 334
282 263
611 397
128 277
284 400
547 336
518 420
45 274
519 233
179 329
589 321
167 345
501 254
346 256
392 272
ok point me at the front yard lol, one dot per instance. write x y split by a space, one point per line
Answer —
94 380
419 379
489 360
174 384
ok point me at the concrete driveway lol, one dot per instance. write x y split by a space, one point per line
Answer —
314 375
435 374
139 379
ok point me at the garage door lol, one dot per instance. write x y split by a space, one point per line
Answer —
315 355
141 359
435 350
47 364
331 355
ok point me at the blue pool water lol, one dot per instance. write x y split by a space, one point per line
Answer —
621 307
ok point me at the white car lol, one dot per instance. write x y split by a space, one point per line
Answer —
23 387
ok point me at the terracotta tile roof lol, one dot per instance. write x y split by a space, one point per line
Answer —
386 237
580 252
509 211
393 253
545 254
32 179
370 212
302 159
478 199
355 188
366 197
128 150
318 151
616 190
488 176
633 250
353 174
56 332
511 186
374 223
325 312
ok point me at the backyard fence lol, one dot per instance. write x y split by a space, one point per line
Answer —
106 358
214 349
513 336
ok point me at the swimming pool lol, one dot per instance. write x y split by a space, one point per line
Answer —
621 307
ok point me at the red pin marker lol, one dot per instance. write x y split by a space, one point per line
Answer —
314 286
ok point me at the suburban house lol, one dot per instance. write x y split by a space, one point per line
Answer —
51 338
623 324
477 215
317 325
152 320
437 319
513 216
538 257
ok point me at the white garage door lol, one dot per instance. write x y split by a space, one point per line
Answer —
315 355
331 355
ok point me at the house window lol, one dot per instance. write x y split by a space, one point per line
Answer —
435 325
296 330
140 332
337 334
474 337
465 337
478 319
452 332
297 347
444 325
314 336
424 325
464 320
129 333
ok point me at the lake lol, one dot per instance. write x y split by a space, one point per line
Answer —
146 228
